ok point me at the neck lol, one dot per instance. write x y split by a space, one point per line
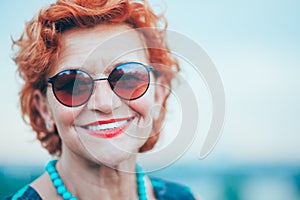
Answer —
87 180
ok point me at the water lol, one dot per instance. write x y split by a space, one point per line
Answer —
209 182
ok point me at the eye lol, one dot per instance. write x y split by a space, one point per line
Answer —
130 82
128 77
64 85
73 83
81 87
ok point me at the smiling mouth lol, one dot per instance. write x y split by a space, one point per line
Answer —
108 128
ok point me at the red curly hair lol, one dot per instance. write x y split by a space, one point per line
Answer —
39 46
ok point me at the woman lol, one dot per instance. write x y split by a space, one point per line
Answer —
93 71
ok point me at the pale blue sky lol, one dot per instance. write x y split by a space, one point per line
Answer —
255 45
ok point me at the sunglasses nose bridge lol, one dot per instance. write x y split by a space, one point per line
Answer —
97 81
101 85
103 98
100 79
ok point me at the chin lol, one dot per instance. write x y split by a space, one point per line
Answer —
111 157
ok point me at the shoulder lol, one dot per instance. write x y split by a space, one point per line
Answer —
169 190
26 193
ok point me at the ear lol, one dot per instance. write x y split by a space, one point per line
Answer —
162 91
42 106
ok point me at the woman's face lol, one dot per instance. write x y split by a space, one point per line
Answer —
94 51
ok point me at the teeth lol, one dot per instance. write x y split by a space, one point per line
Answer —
102 127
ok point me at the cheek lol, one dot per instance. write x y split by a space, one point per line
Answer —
63 116
63 119
143 106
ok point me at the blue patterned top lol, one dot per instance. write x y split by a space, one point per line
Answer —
164 190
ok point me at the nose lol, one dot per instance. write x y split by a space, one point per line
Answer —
103 98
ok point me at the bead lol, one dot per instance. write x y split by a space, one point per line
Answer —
51 169
61 189
142 192
140 180
54 175
57 182
52 163
67 195
141 188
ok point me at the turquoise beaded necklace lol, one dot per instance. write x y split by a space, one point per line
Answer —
66 195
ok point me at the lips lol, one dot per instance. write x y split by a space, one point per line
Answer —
108 128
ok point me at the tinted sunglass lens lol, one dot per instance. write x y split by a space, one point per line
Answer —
73 87
130 80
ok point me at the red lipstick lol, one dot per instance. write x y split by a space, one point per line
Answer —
107 121
108 128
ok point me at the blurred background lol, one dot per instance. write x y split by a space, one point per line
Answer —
255 46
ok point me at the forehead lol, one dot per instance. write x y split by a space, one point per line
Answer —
101 45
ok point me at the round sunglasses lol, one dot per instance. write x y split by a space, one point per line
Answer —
74 87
